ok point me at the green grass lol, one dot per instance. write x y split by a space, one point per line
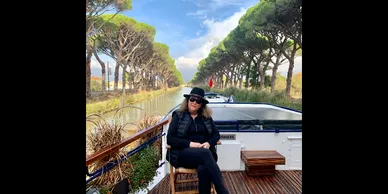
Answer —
114 103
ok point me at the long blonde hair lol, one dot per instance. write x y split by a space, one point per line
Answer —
206 111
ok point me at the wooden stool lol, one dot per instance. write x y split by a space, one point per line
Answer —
181 170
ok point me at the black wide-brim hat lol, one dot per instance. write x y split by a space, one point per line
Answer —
197 92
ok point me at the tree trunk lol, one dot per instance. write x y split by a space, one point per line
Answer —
116 80
123 79
255 76
235 80
129 80
88 71
260 71
289 77
262 81
240 81
166 84
262 78
226 81
123 86
290 69
231 76
221 81
274 71
102 64
248 71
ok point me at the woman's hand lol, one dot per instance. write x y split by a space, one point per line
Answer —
205 145
195 145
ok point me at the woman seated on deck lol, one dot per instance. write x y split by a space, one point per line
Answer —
192 136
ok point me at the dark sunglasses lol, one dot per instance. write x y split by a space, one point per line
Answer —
198 101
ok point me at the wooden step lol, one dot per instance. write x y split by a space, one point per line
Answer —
261 162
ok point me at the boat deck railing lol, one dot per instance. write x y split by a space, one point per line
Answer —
276 126
107 151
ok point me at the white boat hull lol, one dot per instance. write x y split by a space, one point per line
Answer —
288 144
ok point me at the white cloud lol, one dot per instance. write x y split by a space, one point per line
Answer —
201 12
215 4
191 62
211 6
201 46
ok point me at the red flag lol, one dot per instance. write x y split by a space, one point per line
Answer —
211 82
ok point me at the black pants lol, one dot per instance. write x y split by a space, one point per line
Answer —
208 170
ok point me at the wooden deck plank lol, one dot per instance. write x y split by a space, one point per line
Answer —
263 185
228 183
297 174
238 183
289 187
291 181
292 178
250 184
295 177
272 182
283 181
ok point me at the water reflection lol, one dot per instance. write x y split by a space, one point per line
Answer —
156 106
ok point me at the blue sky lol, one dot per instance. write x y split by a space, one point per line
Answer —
189 27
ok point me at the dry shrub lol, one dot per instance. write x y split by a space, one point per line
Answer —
106 134
103 135
147 121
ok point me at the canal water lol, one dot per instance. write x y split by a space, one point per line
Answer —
156 106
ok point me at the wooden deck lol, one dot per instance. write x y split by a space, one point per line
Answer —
282 182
